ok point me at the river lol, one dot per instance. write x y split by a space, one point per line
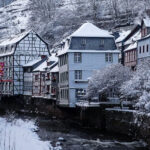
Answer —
32 133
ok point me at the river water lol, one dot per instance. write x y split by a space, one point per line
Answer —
29 133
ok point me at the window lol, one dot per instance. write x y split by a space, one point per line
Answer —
12 47
143 49
64 93
63 60
53 90
83 42
80 93
36 77
43 77
147 48
78 74
48 76
63 77
29 70
102 43
140 50
48 88
109 57
77 57
112 93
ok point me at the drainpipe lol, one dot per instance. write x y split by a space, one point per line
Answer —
122 53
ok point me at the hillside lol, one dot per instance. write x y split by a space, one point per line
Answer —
14 17
56 19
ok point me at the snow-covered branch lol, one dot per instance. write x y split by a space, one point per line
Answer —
108 78
138 87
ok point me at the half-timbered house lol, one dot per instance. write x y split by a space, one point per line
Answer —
16 52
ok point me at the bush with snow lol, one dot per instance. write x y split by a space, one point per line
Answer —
111 77
137 88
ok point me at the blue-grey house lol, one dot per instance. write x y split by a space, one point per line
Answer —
144 43
87 49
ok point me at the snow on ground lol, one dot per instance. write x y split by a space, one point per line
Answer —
19 135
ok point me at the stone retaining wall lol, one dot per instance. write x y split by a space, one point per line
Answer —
129 123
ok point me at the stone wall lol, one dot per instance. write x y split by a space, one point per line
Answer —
131 123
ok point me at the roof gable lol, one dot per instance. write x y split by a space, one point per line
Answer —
18 38
14 40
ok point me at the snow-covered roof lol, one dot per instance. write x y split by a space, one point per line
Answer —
131 46
55 69
134 38
147 36
41 67
53 57
15 39
123 35
147 22
90 30
33 62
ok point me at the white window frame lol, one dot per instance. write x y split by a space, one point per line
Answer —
78 74
77 57
109 57
80 93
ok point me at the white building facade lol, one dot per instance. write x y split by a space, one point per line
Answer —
86 50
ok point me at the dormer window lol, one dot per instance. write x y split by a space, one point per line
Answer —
102 43
68 41
63 45
12 47
6 49
83 42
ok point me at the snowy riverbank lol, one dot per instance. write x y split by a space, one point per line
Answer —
19 134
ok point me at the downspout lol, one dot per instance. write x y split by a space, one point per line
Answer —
122 53
40 84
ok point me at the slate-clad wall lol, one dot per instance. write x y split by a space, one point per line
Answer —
92 44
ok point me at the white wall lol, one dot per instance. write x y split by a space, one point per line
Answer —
90 62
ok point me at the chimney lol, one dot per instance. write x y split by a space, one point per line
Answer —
43 56
22 30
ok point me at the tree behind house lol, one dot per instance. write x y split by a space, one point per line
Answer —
106 79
